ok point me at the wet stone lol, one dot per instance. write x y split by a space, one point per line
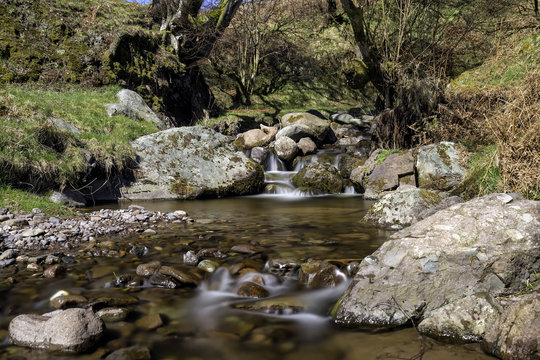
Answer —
149 322
130 353
208 266
251 289
148 269
190 258
34 267
54 271
282 267
211 253
113 314
118 300
66 301
182 277
161 280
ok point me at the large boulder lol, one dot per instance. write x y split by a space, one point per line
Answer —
439 166
133 106
402 207
286 149
464 320
72 330
485 245
319 128
256 137
319 178
383 173
191 162
296 132
516 334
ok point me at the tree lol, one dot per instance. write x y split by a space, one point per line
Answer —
403 43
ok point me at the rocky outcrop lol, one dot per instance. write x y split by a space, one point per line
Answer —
516 334
72 330
485 245
256 137
319 128
402 207
191 162
377 176
133 106
319 179
439 166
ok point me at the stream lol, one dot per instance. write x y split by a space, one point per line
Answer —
212 321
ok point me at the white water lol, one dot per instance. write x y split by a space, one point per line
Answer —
279 180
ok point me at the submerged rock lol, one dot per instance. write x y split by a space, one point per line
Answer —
439 166
319 178
130 353
320 274
191 162
72 330
485 245
516 334
251 289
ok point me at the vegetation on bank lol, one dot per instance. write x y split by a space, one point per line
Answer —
54 138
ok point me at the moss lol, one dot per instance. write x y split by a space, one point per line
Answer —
380 184
442 151
381 157
184 190
430 197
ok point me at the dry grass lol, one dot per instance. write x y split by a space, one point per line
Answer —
507 117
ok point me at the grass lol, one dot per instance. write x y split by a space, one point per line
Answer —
484 174
36 154
19 201
386 153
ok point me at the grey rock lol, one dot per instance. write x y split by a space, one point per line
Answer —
130 353
190 162
286 149
257 137
362 122
33 232
296 132
113 314
190 258
485 245
402 207
259 155
133 106
374 178
319 178
319 128
8 254
72 330
516 334
307 146
63 125
439 166
464 320
69 198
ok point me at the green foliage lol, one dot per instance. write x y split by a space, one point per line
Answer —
384 154
22 201
508 68
483 175
531 283
35 150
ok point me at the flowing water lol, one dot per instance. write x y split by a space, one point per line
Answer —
212 321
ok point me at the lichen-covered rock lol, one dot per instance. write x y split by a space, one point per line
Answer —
402 207
485 245
319 128
319 178
191 162
464 320
375 176
286 149
257 137
516 334
72 330
133 106
439 166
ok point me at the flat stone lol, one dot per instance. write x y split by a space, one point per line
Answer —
113 314
65 301
149 322
72 330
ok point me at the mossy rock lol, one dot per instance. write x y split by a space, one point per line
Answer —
319 179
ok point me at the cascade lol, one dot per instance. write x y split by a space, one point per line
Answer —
279 180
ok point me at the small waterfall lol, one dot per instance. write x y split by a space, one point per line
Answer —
279 180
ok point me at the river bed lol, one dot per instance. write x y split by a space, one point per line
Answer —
211 321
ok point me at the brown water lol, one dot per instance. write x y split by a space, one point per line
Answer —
208 322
